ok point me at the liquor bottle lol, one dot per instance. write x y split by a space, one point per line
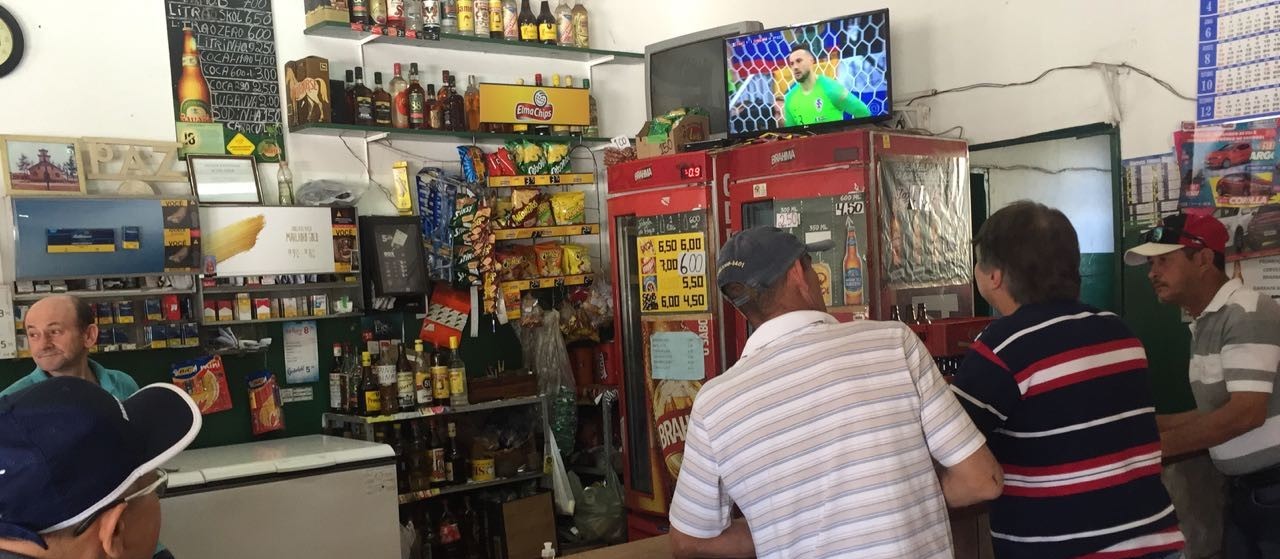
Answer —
359 12
450 535
350 97
495 19
378 12
520 128
193 90
540 129
440 378
284 184
355 386
472 105
852 268
424 393
449 16
466 14
389 392
472 530
895 314
436 451
419 476
593 127
371 404
481 9
457 375
430 537
417 100
442 104
395 14
564 25
435 117
580 20
510 20
381 102
528 23
431 16
363 100
558 129
413 18
337 382
457 107
399 89
455 462
404 379
922 314
397 442
548 31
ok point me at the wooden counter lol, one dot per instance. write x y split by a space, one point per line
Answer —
650 548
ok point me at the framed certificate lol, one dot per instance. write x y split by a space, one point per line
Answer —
224 179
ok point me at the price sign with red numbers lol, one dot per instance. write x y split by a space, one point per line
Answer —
692 172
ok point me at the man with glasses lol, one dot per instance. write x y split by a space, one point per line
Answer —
1235 357
80 470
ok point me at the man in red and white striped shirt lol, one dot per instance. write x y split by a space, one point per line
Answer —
1060 390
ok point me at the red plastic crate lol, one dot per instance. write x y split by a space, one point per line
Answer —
951 336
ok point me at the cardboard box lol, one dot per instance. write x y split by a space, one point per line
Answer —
691 128
321 11
307 84
518 528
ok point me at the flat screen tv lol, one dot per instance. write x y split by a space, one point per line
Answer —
824 74
687 72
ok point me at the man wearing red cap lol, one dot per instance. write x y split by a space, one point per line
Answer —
1235 358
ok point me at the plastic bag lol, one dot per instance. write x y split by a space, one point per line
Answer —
598 513
325 192
561 488
555 379
408 537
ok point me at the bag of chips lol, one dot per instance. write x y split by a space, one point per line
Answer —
569 207
529 157
500 163
524 207
205 380
557 156
266 411
516 263
550 259
544 217
576 260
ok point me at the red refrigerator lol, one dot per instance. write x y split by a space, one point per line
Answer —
663 236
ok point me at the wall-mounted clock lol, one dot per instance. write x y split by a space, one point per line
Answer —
11 43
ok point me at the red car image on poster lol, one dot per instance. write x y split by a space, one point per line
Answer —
1229 156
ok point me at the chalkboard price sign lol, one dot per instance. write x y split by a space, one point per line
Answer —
226 92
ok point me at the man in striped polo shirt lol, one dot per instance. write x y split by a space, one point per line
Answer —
1235 356
1060 390
824 434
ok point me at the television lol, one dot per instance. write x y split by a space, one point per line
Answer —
687 72
824 74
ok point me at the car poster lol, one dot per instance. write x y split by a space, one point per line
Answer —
1232 171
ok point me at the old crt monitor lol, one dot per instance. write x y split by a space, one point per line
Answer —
823 74
687 72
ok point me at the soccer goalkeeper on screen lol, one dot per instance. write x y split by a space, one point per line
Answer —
815 98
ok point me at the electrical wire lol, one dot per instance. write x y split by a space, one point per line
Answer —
1041 169
367 173
1092 65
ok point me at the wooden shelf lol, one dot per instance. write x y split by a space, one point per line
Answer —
431 411
406 498
543 283
471 43
539 232
278 319
367 132
542 180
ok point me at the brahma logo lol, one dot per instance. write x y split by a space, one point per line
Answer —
644 173
540 109
782 157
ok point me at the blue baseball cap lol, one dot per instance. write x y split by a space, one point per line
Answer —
758 256
69 449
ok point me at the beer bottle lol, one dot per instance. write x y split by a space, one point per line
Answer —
349 95
364 100
922 314
381 102
548 31
852 268
455 462
404 379
417 100
419 476
337 382
528 23
495 19
457 375
472 530
399 90
193 90
371 404
412 19
564 25
436 451
440 378
466 17
593 127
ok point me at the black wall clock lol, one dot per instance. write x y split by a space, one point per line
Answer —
11 43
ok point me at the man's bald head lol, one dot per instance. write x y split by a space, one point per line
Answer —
60 304
60 330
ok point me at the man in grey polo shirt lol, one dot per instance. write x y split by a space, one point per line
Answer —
1235 358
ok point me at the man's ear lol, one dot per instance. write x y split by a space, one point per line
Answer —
997 277
91 335
111 530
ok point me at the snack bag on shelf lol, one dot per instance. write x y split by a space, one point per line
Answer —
524 207
550 258
576 260
544 216
529 157
569 208
472 160
266 411
501 163
205 380
557 155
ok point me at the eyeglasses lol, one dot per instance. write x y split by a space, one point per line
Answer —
1171 235
158 487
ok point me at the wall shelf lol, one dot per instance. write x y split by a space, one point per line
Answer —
543 283
542 180
258 288
279 319
406 498
539 232
431 411
471 43
378 132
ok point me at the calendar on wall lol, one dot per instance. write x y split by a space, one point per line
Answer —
1238 61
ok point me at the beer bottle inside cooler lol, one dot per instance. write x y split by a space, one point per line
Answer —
381 102
457 375
371 404
337 382
922 314
495 19
528 23
363 100
852 267
548 31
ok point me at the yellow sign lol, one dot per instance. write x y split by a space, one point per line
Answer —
673 272
177 237
530 104
240 145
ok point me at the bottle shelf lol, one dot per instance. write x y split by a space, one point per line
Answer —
470 43
358 131
542 180
539 232
542 283
340 418
406 498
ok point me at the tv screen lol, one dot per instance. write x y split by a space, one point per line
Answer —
819 74
689 76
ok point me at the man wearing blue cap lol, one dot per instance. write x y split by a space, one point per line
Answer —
824 434
80 470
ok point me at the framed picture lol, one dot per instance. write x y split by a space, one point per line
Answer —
224 179
36 165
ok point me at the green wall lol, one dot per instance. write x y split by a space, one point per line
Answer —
1163 334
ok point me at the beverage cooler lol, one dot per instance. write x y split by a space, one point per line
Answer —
897 207
662 215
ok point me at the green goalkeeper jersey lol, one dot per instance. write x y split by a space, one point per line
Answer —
827 102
